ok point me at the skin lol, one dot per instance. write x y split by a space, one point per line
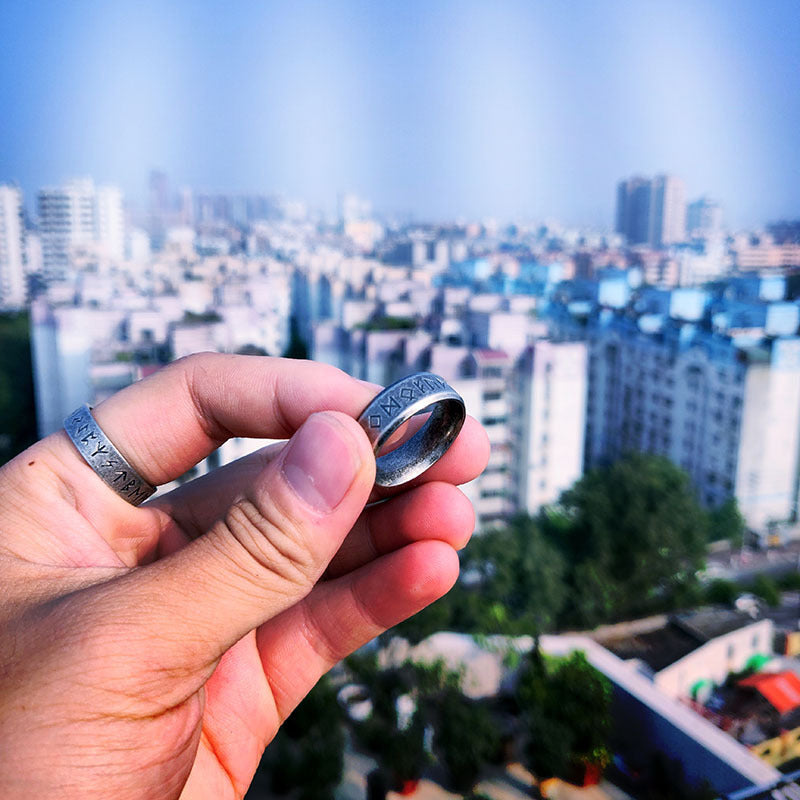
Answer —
153 652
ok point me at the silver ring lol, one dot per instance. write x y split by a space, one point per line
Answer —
101 455
395 405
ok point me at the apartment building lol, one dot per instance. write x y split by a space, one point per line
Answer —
12 248
79 215
725 407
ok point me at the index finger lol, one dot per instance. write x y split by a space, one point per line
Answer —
169 421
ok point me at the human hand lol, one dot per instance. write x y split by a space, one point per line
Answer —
153 652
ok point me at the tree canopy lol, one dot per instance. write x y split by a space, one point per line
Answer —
17 406
566 705
307 755
634 534
727 522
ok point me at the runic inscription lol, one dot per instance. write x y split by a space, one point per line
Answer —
423 384
374 420
390 405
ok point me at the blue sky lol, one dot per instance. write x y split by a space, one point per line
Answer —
441 109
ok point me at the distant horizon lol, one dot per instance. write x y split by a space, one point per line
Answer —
139 206
452 110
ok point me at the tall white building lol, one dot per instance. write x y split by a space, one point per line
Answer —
110 222
12 248
66 220
669 211
549 428
80 215
531 405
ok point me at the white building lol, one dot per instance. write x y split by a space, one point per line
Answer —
80 216
551 421
686 655
110 222
67 220
669 210
531 405
12 248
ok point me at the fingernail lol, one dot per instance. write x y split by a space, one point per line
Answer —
321 463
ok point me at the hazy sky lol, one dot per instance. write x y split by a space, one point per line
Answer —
442 109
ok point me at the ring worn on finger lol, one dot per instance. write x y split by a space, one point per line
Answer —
102 456
395 405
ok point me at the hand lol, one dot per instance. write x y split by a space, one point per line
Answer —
153 652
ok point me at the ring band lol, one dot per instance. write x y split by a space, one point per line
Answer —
395 405
101 455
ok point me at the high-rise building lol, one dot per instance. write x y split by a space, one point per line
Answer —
704 218
110 222
12 248
669 211
158 186
726 411
66 220
651 211
634 203
80 215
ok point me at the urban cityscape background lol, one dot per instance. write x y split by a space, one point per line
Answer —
587 220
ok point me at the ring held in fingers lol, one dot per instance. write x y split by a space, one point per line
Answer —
395 405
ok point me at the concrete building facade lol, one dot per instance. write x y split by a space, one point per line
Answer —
12 248
651 211
727 413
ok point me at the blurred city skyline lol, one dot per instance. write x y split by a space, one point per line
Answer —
442 111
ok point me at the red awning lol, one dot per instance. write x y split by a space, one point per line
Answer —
781 690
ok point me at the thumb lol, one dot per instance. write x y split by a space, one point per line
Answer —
273 544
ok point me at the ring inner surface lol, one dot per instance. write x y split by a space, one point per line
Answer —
424 448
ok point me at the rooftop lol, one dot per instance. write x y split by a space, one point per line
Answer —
680 635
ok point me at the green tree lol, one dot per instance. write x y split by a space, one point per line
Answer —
466 737
727 522
767 589
722 592
566 705
17 406
521 587
307 755
636 534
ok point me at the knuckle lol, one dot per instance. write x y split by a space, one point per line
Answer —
267 544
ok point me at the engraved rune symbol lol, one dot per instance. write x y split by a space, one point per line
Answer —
90 435
121 475
112 462
392 405
407 393
101 448
129 485
374 420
